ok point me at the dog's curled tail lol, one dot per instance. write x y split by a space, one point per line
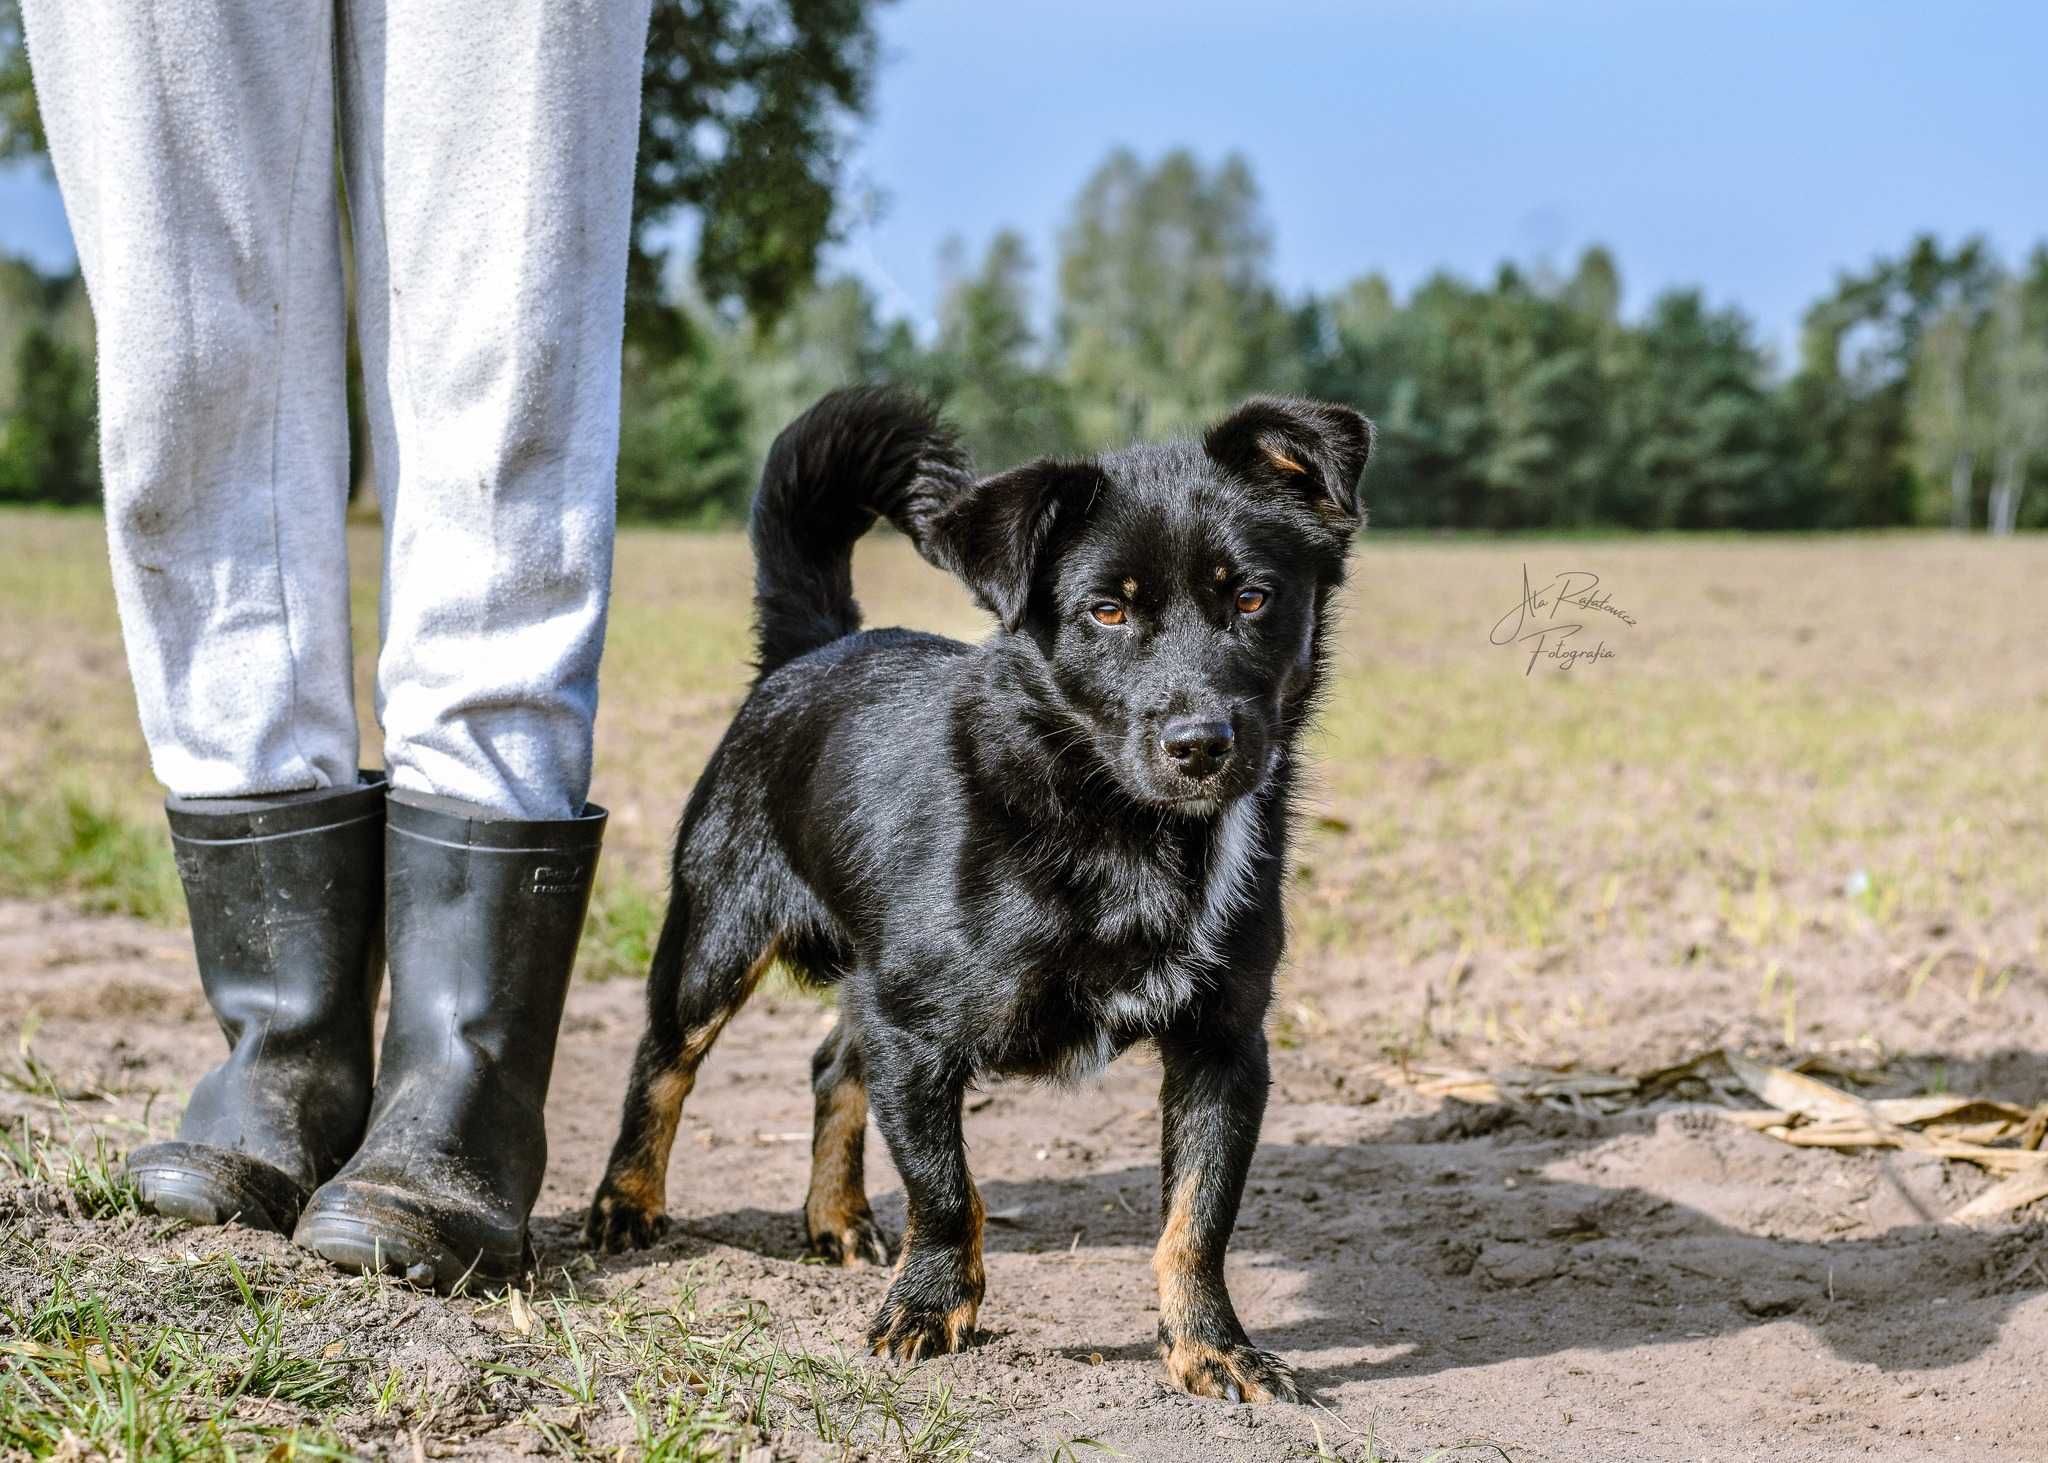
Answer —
860 453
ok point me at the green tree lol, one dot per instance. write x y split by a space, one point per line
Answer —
830 336
1705 439
1490 402
1853 388
744 124
1546 456
21 125
47 417
2017 367
684 454
1945 412
2031 511
1414 369
48 447
988 368
1166 315
1594 290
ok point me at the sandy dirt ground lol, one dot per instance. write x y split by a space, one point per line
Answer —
1653 1283
1801 812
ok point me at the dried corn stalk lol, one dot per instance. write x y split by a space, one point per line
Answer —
1800 1110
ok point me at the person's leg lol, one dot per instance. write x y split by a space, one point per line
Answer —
489 156
193 144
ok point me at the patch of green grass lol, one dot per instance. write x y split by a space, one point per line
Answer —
71 844
696 1377
145 1350
82 1377
88 1172
78 1164
214 1357
620 931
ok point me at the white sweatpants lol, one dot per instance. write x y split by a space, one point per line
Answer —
488 150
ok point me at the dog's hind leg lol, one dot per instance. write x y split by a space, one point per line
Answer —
839 1224
690 998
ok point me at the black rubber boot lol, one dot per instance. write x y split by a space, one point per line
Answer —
481 921
286 896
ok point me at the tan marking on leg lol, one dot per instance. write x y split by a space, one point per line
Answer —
837 1202
1174 1261
643 1181
977 1216
697 1040
1195 1366
960 1320
977 1222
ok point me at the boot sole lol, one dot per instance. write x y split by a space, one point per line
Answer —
393 1246
207 1185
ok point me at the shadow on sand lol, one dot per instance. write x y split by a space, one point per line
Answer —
1449 1240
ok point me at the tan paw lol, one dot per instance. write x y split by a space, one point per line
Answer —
849 1240
910 1333
1229 1373
617 1223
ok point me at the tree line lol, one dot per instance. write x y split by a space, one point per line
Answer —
1919 394
1525 402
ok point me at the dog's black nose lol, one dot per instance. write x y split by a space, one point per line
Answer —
1196 747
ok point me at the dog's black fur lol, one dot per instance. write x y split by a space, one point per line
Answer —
1016 858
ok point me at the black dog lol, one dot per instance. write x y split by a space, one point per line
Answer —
1016 858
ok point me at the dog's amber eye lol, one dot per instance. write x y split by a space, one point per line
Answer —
1109 612
1250 601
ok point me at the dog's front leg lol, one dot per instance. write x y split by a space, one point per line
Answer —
1211 1102
937 1289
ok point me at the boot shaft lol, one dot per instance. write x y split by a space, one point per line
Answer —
285 900
483 916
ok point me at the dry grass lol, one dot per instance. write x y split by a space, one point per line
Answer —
1799 743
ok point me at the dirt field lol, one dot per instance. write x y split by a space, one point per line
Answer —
1801 813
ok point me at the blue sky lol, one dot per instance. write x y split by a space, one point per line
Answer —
1750 148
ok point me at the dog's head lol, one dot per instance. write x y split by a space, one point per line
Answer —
1171 599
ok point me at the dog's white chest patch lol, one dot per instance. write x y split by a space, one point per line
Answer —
1169 982
1228 888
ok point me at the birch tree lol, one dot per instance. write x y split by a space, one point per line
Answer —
2018 355
1945 412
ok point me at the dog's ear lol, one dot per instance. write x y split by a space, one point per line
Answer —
993 534
1314 448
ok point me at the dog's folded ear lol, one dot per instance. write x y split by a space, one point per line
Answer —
1314 448
993 534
